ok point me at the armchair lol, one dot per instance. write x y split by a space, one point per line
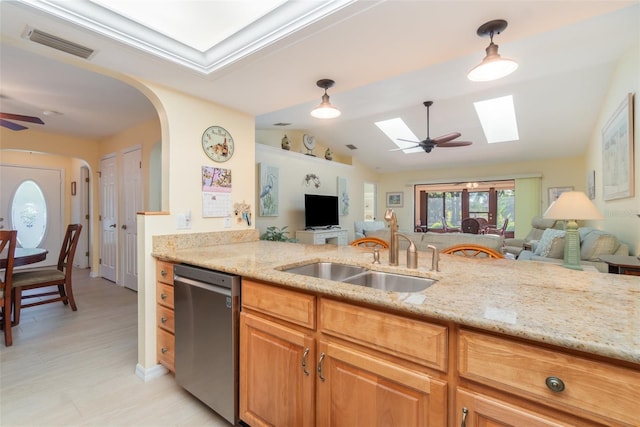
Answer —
538 225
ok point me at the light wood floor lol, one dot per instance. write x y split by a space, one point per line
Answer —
70 368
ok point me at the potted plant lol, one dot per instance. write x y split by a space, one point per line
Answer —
276 234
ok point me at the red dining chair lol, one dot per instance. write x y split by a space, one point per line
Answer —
7 248
43 278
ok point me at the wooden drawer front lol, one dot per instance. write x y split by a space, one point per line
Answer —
166 349
164 272
590 387
164 295
416 341
165 318
291 306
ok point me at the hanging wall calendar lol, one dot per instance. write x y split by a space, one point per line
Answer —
216 192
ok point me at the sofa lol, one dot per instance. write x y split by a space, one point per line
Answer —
538 225
362 227
442 240
593 244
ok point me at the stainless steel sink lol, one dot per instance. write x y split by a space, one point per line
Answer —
361 276
327 270
390 281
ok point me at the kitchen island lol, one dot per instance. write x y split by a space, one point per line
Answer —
593 317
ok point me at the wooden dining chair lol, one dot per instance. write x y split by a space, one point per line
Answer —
470 251
7 249
370 242
470 225
43 278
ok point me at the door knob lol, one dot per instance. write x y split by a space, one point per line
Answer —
112 226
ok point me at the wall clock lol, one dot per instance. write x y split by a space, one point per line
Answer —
217 144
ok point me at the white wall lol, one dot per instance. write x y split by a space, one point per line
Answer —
620 215
293 167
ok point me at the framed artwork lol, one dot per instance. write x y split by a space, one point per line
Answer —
343 196
269 190
591 184
617 153
555 192
394 200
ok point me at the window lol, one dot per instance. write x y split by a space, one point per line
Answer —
29 214
491 200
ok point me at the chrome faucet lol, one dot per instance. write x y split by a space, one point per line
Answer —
394 249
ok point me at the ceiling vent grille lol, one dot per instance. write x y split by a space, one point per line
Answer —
63 45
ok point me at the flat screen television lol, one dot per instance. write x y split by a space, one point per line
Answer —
320 211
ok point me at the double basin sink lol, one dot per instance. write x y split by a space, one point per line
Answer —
362 276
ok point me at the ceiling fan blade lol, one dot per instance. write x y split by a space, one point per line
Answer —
405 148
446 138
408 140
455 144
13 126
20 117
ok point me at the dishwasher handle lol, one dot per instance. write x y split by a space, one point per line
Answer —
207 286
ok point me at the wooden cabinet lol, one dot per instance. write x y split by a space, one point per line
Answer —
165 339
358 389
589 389
358 374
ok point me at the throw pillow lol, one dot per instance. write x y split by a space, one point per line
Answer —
544 246
597 243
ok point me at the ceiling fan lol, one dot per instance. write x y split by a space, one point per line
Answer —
6 117
429 144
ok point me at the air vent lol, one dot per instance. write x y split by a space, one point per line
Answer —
351 147
50 40
282 124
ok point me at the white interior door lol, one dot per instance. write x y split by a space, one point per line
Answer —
132 190
50 183
108 214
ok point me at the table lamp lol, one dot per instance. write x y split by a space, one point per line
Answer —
570 207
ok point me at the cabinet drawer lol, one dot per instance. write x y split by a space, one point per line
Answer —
164 272
291 306
413 340
166 349
165 318
590 387
164 295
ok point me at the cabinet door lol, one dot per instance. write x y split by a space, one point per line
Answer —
475 410
356 389
277 367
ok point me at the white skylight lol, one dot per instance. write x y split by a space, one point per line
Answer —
498 119
397 128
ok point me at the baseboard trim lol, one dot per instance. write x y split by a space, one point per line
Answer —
151 373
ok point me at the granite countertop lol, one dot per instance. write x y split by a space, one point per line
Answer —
583 310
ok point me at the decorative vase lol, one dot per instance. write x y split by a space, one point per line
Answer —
328 154
285 143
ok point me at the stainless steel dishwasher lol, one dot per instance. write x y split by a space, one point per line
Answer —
207 306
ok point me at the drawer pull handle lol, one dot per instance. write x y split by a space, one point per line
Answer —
163 320
465 411
555 384
163 296
320 367
304 361
163 273
164 350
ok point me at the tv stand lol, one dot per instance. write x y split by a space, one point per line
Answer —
334 236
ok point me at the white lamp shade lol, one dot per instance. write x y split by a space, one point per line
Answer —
573 205
492 67
325 110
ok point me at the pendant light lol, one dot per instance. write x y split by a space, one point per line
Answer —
325 110
493 66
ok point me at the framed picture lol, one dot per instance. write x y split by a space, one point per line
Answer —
617 153
343 196
269 190
555 192
394 200
591 184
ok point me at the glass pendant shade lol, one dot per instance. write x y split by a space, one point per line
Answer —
492 67
325 110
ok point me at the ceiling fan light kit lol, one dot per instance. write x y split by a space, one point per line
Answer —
325 110
493 66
